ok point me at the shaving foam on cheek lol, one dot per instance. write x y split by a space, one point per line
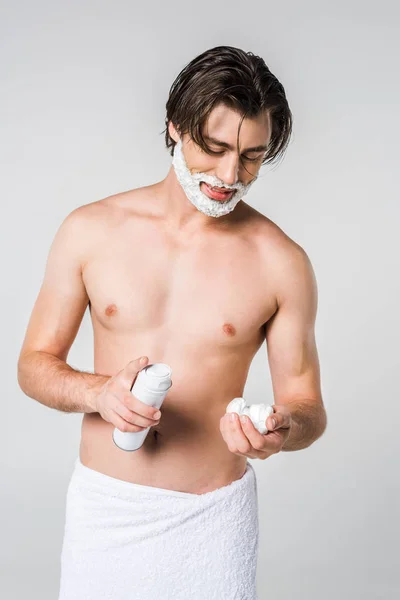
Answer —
191 186
258 413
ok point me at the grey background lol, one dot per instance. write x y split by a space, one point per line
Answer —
83 92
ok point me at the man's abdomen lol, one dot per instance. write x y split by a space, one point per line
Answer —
182 453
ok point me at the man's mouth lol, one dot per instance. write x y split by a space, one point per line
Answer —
217 193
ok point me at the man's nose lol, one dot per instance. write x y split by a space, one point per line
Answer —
228 169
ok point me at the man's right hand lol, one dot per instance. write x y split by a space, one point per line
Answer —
117 405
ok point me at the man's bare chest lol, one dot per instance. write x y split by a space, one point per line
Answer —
213 292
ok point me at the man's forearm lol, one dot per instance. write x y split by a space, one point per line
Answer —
52 382
309 422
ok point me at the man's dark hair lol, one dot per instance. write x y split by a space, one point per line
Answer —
240 80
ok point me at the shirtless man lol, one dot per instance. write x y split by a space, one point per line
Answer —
166 280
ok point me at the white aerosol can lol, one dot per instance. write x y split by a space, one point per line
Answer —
151 386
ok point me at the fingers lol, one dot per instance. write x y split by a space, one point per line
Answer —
128 374
137 406
256 439
132 410
245 439
281 416
134 418
131 413
233 434
124 425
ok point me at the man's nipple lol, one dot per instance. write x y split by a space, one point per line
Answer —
229 329
110 310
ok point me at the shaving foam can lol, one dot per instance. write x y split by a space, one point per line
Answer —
151 387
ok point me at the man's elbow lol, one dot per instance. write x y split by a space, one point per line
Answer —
321 425
21 374
23 370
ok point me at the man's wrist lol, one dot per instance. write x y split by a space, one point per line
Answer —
93 389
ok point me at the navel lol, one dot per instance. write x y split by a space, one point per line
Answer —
229 329
111 309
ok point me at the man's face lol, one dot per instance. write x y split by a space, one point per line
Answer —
197 171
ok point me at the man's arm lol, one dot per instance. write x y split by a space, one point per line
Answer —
43 373
292 351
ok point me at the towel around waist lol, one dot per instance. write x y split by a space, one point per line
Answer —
118 511
87 478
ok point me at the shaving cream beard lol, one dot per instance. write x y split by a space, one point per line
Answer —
191 186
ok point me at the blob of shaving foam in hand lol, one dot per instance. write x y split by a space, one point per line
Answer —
258 413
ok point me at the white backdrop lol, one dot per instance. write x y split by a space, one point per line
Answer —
83 92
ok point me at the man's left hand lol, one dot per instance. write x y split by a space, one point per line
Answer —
243 439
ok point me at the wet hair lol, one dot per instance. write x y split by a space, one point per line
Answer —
238 79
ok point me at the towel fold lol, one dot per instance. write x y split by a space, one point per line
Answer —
125 541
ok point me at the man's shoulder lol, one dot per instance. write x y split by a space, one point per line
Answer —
271 238
108 210
284 260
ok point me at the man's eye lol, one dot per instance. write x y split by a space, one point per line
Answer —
245 157
252 159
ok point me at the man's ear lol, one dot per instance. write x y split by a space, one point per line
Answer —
173 132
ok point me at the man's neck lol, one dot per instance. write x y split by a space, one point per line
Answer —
181 214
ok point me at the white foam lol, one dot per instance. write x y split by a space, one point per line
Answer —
191 186
258 413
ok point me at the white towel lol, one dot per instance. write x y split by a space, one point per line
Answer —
125 541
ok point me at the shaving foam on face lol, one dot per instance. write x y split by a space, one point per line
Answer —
191 186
